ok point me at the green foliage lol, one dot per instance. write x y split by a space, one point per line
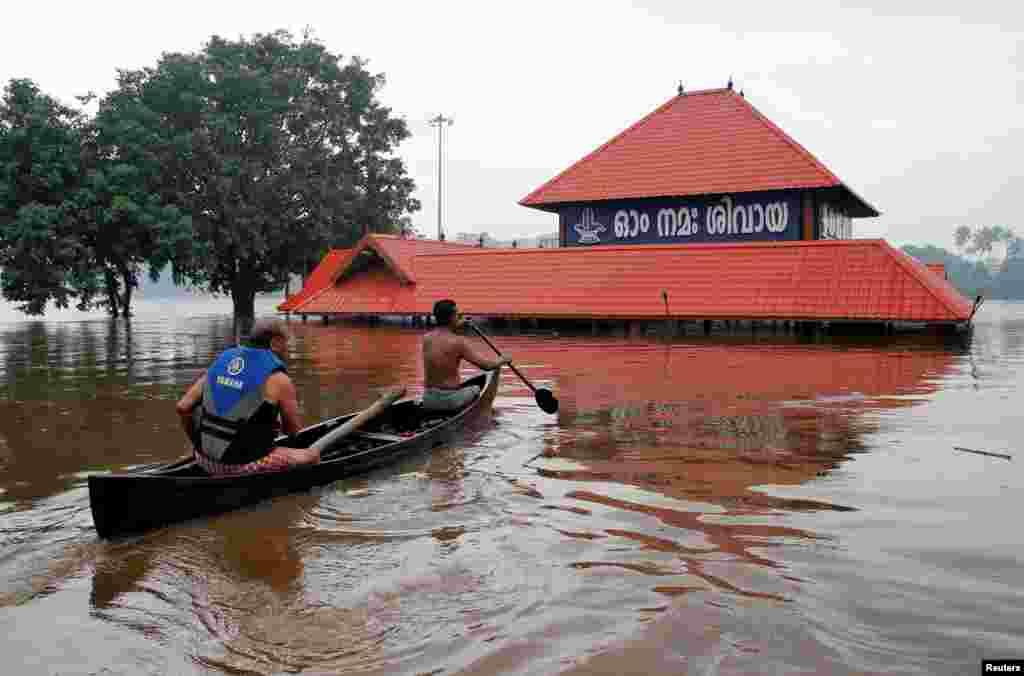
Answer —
277 150
970 277
41 170
76 220
975 277
402 227
237 166
982 240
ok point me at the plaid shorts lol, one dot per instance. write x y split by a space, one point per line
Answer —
278 459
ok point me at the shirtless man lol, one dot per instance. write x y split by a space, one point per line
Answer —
443 351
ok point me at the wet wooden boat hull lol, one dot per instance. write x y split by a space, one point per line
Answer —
157 495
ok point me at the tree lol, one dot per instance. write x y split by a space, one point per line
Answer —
961 236
405 228
982 240
132 219
41 168
77 218
1006 280
970 277
277 150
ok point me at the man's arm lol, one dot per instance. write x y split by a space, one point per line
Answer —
288 401
187 404
474 357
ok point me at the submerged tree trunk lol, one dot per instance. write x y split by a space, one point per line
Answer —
113 306
128 278
243 295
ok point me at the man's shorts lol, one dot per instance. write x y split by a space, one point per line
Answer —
435 399
278 459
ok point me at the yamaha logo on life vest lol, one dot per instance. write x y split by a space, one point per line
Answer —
236 366
230 382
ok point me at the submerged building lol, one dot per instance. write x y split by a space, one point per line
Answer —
702 210
704 167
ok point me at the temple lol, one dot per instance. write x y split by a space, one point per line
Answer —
703 210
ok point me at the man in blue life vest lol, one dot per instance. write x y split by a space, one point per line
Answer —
234 412
443 351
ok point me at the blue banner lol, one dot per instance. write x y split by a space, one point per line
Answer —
744 217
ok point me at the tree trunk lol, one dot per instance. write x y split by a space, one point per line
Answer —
113 306
243 296
126 298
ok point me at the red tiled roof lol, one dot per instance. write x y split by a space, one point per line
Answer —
397 253
825 280
698 143
847 279
322 276
373 292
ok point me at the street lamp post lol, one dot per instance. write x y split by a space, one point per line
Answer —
440 122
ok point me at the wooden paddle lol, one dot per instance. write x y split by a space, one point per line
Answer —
545 399
350 426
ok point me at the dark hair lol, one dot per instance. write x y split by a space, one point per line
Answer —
265 330
444 310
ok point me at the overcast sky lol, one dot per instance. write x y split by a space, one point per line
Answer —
917 106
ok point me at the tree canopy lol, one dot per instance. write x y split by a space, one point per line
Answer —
41 168
976 276
238 165
982 240
276 149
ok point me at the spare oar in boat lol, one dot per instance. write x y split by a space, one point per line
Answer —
545 399
350 426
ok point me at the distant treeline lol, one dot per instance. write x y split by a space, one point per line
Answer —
974 272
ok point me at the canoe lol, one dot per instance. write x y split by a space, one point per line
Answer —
161 494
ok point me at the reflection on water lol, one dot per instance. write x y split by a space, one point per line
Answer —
706 505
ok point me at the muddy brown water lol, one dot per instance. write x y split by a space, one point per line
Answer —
722 505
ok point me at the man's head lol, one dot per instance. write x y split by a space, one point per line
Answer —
270 334
446 313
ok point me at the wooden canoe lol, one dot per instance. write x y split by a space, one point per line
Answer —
161 494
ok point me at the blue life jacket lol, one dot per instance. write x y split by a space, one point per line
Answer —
236 424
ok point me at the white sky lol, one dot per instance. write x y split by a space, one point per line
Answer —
917 106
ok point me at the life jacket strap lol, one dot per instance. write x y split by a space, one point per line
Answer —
217 432
221 422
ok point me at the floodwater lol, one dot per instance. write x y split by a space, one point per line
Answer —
721 505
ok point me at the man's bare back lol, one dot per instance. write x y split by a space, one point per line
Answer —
443 351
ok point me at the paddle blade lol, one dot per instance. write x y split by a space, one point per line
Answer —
546 400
